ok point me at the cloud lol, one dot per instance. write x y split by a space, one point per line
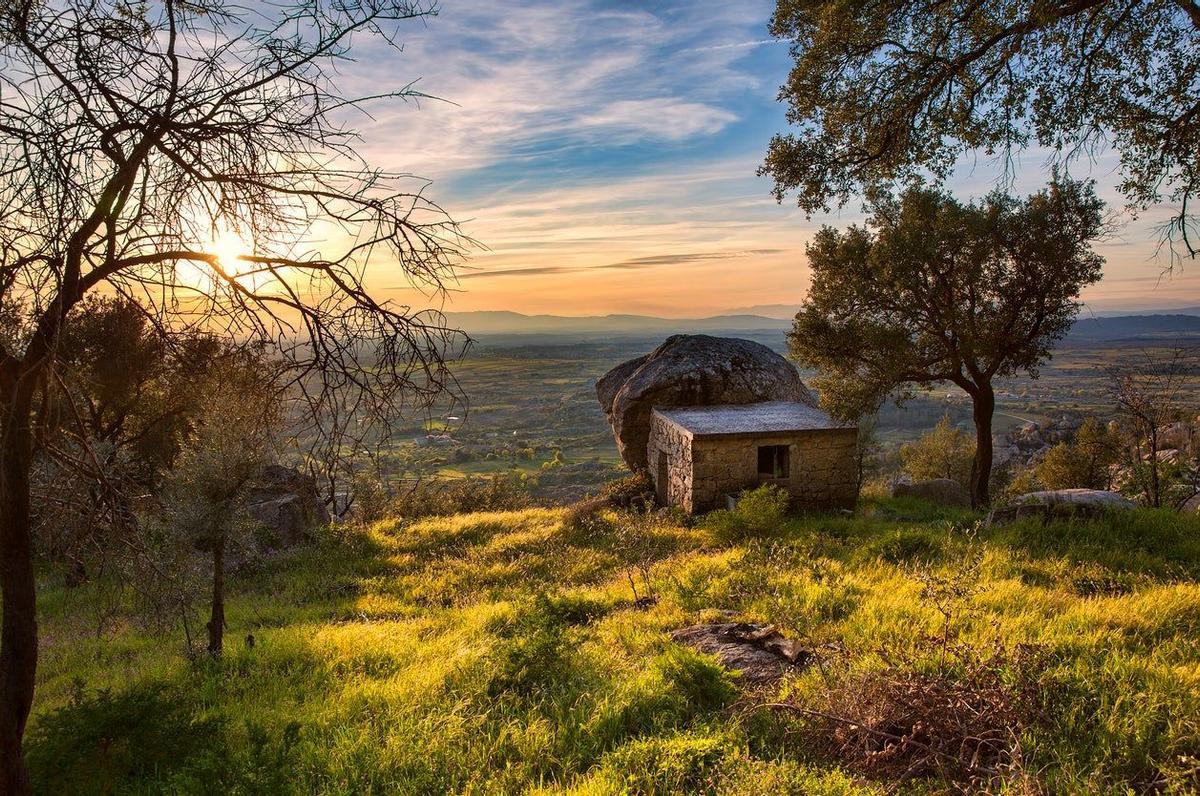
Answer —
533 79
678 259
660 118
538 271
736 45
631 264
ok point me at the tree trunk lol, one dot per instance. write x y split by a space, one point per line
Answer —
1155 500
18 628
216 623
983 405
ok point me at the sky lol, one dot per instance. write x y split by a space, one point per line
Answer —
603 154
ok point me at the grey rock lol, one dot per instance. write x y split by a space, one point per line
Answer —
759 652
940 491
1060 504
1077 497
1176 435
692 370
286 501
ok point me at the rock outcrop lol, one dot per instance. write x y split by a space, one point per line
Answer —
692 370
940 491
759 652
286 501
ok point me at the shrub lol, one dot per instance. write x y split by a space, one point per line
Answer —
1024 482
633 491
959 719
679 764
697 679
1084 463
945 452
449 496
759 512
531 655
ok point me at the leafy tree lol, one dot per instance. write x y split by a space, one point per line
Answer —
868 450
121 401
897 91
136 142
945 452
935 290
1084 463
227 449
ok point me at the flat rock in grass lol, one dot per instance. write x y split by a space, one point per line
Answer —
1077 497
939 491
1058 504
760 652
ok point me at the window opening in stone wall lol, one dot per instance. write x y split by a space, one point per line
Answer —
773 461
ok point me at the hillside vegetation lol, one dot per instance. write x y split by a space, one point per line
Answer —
504 652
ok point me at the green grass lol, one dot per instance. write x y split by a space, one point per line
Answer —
493 653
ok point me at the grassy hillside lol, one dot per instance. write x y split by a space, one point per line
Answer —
503 652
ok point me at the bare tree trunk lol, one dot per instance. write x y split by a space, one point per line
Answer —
983 405
216 623
18 629
1155 499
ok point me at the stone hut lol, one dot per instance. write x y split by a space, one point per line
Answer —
699 454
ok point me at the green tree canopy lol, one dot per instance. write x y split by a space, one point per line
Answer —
936 290
1084 463
945 452
891 91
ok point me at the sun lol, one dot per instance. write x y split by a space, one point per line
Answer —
228 247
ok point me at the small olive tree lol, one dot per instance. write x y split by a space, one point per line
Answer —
228 447
945 452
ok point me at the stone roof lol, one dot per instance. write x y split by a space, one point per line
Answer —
770 417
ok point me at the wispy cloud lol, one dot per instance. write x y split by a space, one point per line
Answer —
527 78
633 264
736 45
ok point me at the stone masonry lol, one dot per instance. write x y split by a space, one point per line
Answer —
697 456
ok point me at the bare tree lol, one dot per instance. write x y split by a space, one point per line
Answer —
1150 391
136 142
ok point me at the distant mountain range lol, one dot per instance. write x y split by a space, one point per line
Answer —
1126 327
502 322
505 322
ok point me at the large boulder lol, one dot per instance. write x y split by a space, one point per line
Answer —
692 370
286 501
939 491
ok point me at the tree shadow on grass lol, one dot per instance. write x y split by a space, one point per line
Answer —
173 736
1159 544
108 742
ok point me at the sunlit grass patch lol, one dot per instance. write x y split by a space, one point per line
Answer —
505 652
